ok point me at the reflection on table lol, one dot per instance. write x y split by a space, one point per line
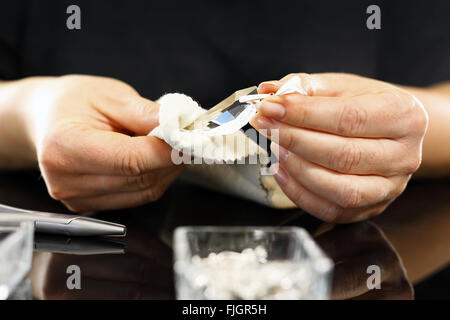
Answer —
409 241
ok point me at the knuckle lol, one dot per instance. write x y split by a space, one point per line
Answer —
297 197
413 163
413 110
48 155
60 193
397 191
379 210
53 151
332 213
419 121
130 164
411 158
142 181
289 140
351 118
376 211
152 195
140 105
349 196
300 113
74 207
56 193
347 158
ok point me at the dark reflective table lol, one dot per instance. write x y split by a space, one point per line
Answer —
409 242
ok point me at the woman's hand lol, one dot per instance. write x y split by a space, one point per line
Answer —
348 149
91 144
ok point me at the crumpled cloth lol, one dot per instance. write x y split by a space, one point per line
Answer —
222 144
244 180
176 112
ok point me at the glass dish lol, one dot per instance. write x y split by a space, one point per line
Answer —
232 263
16 250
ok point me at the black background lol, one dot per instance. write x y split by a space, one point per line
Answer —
207 49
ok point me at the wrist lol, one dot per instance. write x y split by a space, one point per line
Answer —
18 99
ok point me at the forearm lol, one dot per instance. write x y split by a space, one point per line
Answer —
16 148
436 146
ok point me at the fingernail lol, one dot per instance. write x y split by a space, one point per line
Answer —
279 173
281 153
262 123
272 109
268 86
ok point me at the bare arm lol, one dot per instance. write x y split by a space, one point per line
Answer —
436 145
16 148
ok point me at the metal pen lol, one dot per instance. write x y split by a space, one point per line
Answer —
76 246
56 223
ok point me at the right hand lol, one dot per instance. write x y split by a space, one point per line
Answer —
91 144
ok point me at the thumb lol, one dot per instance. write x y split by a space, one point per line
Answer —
269 87
274 85
318 84
136 114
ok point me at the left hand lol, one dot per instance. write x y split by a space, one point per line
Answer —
348 148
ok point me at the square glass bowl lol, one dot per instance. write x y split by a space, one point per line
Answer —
16 250
250 263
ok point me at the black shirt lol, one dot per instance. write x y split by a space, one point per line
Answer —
208 49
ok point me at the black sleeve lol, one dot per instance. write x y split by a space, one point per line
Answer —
11 25
415 42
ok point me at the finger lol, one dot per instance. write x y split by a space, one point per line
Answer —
342 154
131 112
324 84
347 191
269 86
121 200
306 83
318 206
108 153
71 186
303 198
358 116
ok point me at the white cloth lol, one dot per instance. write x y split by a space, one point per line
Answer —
229 145
177 111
